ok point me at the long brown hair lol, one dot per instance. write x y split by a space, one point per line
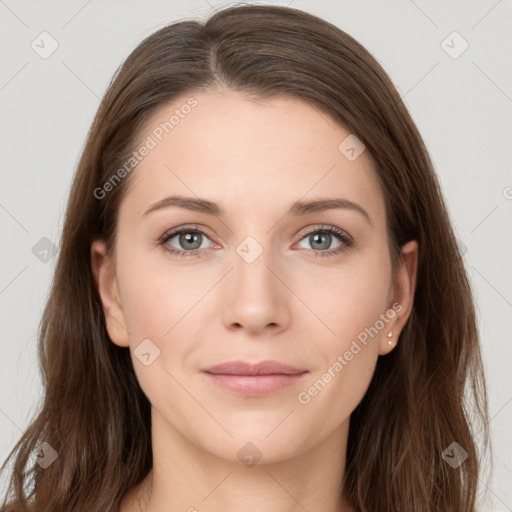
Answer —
422 396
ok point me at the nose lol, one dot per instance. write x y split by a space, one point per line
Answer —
257 299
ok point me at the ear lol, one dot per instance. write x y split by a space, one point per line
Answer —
403 299
106 283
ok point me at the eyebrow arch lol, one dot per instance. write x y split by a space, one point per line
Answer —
298 208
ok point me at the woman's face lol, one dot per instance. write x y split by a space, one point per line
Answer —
259 280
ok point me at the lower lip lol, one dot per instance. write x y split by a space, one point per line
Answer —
254 385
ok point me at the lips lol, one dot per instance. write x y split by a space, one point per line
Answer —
263 368
247 379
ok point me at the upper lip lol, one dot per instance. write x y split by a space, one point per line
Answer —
262 368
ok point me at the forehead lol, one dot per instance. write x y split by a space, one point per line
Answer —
248 154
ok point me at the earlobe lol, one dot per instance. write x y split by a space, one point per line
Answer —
387 343
404 288
106 284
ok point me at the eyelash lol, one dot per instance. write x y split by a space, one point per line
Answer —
346 240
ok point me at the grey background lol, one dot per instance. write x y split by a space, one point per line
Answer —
461 105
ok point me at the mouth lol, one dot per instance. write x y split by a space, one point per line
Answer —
259 379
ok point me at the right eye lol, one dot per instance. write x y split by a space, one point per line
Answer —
188 238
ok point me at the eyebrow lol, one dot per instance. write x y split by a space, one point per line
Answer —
298 208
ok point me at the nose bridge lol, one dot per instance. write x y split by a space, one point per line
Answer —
252 262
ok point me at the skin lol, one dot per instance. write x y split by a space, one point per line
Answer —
253 158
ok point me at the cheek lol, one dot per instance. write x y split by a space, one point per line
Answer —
352 297
353 309
162 303
157 302
353 304
156 294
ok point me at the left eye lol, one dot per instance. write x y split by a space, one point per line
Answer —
321 239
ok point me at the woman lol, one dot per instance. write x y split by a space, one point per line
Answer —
255 368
